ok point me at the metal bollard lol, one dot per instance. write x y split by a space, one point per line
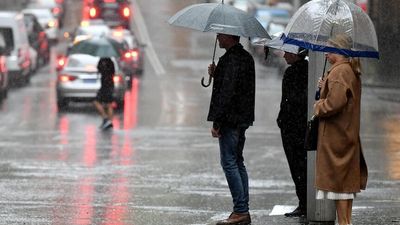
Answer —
318 211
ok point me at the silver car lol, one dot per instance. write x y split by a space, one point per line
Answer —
79 80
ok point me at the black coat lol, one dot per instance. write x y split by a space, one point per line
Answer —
292 118
233 95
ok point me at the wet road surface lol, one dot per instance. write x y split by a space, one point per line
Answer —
159 165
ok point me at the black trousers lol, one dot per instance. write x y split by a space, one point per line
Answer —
296 156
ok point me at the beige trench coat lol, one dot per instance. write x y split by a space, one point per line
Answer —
340 164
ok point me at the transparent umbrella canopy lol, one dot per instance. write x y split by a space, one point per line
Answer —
218 18
319 20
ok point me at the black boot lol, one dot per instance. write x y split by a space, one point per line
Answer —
298 212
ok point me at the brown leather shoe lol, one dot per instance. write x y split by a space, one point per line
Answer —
236 219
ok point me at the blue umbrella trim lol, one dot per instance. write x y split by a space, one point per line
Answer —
322 48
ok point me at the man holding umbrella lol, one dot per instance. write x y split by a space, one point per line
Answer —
232 112
233 95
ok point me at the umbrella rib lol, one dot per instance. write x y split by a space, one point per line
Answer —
324 19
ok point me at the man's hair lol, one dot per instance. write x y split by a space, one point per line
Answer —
236 38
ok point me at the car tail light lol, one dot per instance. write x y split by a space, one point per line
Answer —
117 79
3 67
52 23
61 61
126 11
109 1
56 10
135 54
93 12
131 55
66 78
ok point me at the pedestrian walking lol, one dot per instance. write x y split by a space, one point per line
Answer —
104 98
292 121
232 112
341 170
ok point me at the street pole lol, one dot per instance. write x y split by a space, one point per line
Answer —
318 211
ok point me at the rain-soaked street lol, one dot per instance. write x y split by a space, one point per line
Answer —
160 165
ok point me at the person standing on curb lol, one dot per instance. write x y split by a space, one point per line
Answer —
341 170
104 98
232 112
292 121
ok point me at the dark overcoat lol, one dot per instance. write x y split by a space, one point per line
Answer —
233 95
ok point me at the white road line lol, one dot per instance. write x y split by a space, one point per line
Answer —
145 38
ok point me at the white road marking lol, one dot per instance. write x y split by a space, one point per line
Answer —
145 38
281 209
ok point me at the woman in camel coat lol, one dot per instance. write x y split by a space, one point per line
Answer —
341 171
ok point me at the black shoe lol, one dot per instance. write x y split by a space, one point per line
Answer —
106 125
102 124
298 212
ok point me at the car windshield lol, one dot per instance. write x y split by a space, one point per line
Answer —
101 49
89 65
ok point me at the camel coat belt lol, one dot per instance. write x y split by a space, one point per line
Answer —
340 164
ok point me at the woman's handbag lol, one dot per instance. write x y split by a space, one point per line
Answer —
311 139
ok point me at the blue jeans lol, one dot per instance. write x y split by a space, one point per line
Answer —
231 144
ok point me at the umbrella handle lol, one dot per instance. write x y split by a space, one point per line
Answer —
209 82
210 77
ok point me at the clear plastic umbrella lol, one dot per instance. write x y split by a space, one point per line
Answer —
218 18
277 43
319 20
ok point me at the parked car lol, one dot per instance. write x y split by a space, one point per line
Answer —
47 21
115 13
37 38
3 69
18 60
133 59
79 80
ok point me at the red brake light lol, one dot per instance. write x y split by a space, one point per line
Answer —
126 11
127 55
66 78
109 1
117 79
92 12
135 54
131 55
56 10
61 62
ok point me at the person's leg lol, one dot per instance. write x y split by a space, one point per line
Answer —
341 210
228 143
100 109
242 167
301 177
110 111
297 161
349 210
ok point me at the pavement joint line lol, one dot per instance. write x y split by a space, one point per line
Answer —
145 38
